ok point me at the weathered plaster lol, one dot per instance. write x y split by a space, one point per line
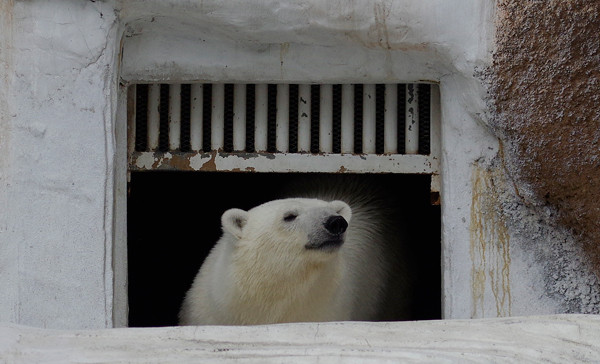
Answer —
56 162
10 249
354 41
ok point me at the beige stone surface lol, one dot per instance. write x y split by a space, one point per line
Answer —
540 339
546 77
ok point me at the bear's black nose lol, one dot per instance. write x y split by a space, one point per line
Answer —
336 225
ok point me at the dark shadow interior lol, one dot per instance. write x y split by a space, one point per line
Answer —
174 220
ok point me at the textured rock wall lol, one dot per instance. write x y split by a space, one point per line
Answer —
545 82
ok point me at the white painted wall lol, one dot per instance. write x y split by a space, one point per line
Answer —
57 157
62 149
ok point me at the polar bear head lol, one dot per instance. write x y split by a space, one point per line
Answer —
289 227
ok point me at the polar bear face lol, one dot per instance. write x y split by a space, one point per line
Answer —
299 226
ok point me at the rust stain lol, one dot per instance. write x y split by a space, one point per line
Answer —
283 50
383 35
169 161
131 95
382 12
210 165
180 162
435 199
158 161
489 244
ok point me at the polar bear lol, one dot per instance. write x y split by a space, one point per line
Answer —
299 259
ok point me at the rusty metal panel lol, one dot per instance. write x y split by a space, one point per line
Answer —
206 149
282 162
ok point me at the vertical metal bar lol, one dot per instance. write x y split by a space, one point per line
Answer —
401 102
196 117
390 133
163 110
260 122
348 118
185 117
141 118
368 132
282 142
228 114
315 124
326 119
206 116
424 91
336 118
435 143
293 119
250 116
379 118
412 119
358 118
239 117
153 116
217 120
131 116
271 118
174 116
304 118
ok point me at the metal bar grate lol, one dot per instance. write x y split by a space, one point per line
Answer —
282 118
304 128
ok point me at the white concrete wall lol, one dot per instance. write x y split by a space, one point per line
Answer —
62 162
56 162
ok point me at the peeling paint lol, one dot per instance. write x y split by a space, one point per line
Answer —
180 162
489 245
287 162
145 161
210 165
195 162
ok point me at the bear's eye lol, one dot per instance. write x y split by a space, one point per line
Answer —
290 216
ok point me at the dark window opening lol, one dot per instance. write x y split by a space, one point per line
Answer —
174 220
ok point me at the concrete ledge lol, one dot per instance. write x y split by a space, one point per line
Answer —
559 338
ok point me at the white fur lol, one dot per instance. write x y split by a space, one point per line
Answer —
261 272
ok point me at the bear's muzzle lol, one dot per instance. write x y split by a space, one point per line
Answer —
333 236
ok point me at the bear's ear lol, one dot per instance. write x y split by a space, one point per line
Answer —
343 209
233 221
